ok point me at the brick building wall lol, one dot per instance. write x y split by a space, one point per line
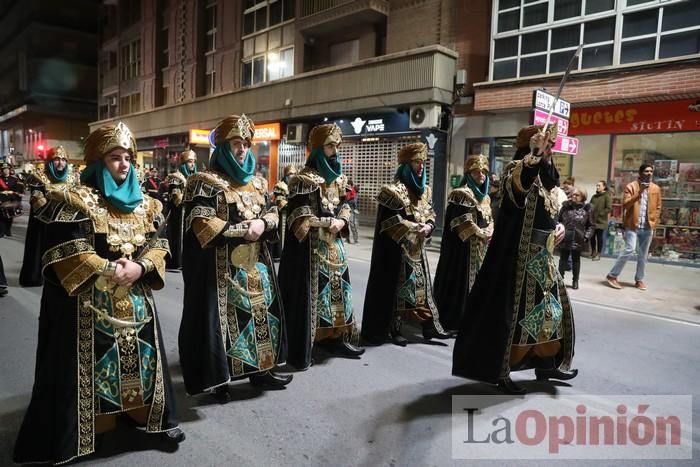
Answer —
675 81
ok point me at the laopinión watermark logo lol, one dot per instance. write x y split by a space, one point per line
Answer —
572 427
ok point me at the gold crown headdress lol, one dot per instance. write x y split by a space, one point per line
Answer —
188 155
59 152
413 152
476 162
234 126
327 133
106 139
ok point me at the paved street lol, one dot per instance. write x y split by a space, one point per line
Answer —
393 407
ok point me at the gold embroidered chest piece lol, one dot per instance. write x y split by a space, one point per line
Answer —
249 198
330 194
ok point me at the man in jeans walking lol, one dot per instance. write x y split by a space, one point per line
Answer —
642 209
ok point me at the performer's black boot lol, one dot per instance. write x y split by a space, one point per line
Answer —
396 336
221 394
508 386
343 347
431 332
553 372
270 379
173 436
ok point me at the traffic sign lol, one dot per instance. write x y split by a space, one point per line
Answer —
562 123
566 144
544 100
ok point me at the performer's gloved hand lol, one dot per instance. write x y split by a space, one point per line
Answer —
336 225
127 272
255 230
559 232
424 230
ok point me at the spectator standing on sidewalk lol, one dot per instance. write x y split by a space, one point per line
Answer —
601 205
575 214
642 208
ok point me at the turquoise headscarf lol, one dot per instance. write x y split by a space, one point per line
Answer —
223 160
479 191
125 197
57 176
328 170
406 175
185 171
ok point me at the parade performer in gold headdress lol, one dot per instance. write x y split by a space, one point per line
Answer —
56 175
176 183
314 275
468 228
232 323
399 286
518 312
100 351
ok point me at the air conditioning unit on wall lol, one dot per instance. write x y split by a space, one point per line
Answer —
296 132
424 116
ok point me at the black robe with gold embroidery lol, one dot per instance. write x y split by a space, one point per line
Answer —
468 224
518 300
39 184
399 285
99 349
314 275
233 321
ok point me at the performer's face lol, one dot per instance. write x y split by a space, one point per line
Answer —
5 172
118 162
239 148
599 187
417 167
59 164
190 165
479 176
331 150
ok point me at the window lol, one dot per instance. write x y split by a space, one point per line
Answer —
253 71
594 57
559 61
638 51
130 59
210 27
599 31
536 14
504 4
509 21
676 45
507 47
280 65
505 69
258 15
641 23
534 42
569 36
597 6
683 15
533 65
130 104
566 9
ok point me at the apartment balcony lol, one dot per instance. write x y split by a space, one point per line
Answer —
423 75
320 17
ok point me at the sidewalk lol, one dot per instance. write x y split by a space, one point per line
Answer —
673 291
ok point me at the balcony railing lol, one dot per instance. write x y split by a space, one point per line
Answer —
311 7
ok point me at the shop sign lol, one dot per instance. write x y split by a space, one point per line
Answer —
199 136
543 100
373 124
566 144
563 164
655 117
267 132
161 143
562 123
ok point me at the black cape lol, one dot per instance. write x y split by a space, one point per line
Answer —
460 260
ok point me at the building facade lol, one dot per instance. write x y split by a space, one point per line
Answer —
47 77
383 69
634 94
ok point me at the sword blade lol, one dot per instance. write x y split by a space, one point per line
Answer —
577 53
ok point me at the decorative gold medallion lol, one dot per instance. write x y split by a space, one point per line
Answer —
245 256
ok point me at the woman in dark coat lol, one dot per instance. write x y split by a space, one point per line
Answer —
601 205
575 214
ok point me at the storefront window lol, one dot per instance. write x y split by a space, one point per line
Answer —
676 164
261 149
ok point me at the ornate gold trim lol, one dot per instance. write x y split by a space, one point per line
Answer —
207 229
